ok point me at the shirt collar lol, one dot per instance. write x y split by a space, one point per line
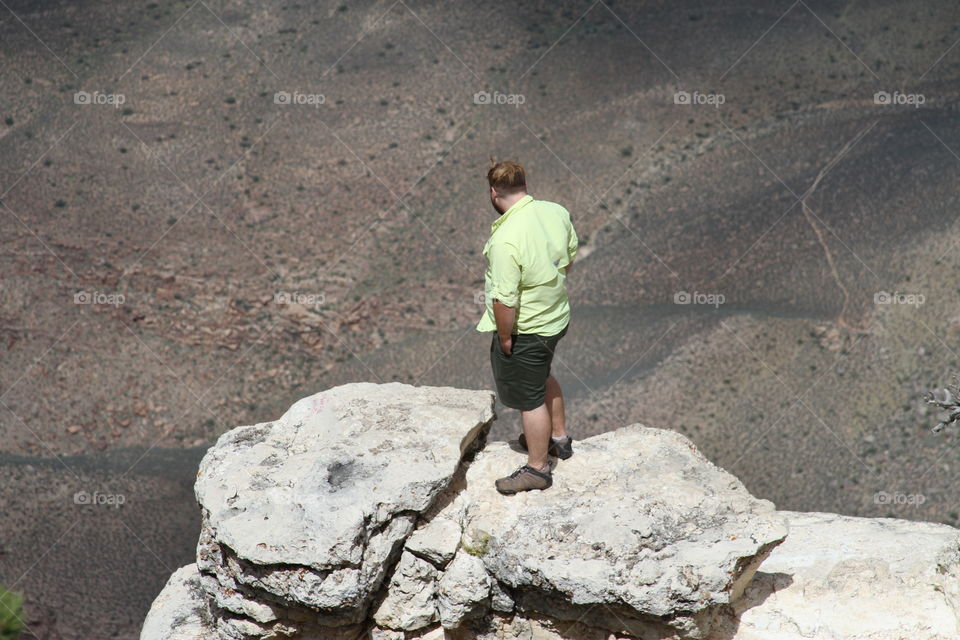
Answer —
516 206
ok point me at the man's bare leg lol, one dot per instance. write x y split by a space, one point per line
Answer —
554 402
536 429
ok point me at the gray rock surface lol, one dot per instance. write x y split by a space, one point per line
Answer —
844 578
637 521
304 517
180 612
437 540
463 590
369 511
411 597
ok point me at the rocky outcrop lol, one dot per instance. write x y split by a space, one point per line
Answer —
854 578
640 534
369 511
181 611
303 518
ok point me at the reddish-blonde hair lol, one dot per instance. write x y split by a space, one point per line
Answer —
506 177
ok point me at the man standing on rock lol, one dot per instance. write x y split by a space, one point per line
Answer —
529 254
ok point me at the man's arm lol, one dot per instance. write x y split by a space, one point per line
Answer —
505 317
505 290
573 243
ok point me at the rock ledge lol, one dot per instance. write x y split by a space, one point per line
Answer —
369 511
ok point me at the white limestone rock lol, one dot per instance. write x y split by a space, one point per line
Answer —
840 577
411 599
311 511
637 521
437 541
464 590
180 612
353 516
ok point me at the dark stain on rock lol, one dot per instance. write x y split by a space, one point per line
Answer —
339 473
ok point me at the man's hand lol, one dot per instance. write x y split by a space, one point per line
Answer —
507 345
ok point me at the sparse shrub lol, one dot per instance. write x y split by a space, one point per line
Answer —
11 614
950 402
480 546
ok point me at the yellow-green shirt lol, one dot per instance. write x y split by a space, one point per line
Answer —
528 251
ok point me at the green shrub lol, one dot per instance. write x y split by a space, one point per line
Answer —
11 614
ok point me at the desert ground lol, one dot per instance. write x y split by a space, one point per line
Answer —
211 209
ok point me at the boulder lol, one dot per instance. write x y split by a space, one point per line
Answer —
436 541
181 611
369 511
463 590
304 518
639 534
411 597
841 577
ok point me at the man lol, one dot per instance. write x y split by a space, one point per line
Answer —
529 254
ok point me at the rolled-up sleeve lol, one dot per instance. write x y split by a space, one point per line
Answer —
572 243
504 273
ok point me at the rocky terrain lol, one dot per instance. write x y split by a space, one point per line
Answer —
209 210
369 511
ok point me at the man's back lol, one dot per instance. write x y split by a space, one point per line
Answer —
529 249
544 232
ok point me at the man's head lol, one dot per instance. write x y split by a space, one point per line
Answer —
508 183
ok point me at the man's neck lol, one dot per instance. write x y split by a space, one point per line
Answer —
512 200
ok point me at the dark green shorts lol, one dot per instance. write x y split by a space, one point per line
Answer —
521 377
